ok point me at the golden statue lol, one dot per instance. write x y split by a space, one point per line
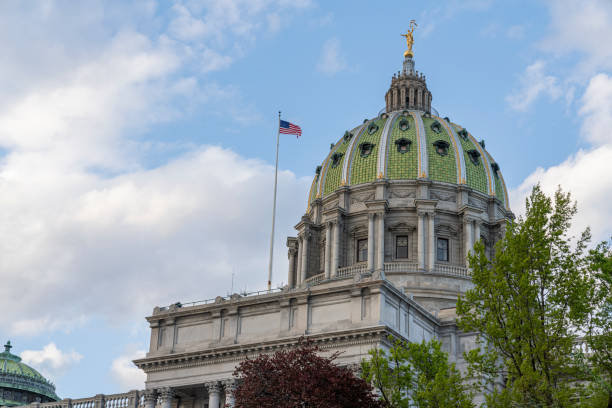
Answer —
409 39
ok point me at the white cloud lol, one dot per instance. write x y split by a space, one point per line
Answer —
533 83
51 361
583 27
126 374
331 60
85 230
597 110
213 61
515 32
586 173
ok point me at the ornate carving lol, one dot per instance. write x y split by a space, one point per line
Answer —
359 198
331 205
443 196
150 398
213 387
166 394
476 203
402 193
446 229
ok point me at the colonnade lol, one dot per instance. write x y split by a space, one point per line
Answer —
215 390
426 244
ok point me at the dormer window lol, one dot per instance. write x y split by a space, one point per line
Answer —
373 128
436 126
336 157
404 125
463 134
347 136
441 147
474 156
403 145
365 149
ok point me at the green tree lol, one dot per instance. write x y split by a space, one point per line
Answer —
598 337
413 374
530 303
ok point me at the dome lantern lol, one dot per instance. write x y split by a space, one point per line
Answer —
408 90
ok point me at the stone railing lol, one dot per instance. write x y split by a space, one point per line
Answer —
453 270
132 399
352 270
316 279
394 267
390 268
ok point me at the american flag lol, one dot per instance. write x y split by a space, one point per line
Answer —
288 128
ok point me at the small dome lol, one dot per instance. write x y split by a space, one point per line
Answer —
409 145
20 384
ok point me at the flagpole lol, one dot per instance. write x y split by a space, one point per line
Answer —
274 206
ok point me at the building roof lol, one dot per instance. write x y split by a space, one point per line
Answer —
409 141
19 376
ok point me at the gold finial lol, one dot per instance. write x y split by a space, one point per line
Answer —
409 39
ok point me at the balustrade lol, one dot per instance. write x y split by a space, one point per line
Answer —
132 399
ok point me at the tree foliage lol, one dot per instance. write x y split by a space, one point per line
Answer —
531 303
416 375
300 377
598 337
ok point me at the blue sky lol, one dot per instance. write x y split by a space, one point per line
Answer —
137 142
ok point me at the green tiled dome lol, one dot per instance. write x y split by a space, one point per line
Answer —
20 384
409 145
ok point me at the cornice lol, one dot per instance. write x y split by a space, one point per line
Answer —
239 351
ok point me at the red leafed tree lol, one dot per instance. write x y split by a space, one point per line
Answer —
299 377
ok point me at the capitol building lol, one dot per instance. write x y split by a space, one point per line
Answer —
392 213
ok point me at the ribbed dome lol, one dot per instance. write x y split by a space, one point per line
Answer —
409 145
20 384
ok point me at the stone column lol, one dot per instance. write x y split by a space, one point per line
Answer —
370 243
167 395
214 395
298 269
421 240
336 253
467 238
380 247
150 398
292 271
328 238
304 256
431 242
476 231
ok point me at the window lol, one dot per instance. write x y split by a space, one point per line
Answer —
336 159
362 250
436 126
441 147
403 145
474 156
372 128
401 246
443 249
366 148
